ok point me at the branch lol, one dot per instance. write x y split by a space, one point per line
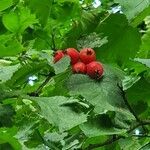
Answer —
116 138
39 90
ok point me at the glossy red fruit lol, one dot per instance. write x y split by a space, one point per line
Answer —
58 55
74 55
95 70
79 67
87 55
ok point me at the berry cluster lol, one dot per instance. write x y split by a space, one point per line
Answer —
83 62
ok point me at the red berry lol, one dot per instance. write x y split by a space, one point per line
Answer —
58 55
79 67
74 55
87 55
95 70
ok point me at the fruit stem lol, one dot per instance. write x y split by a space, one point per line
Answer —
89 52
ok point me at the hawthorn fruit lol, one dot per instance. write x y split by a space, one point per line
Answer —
95 70
87 55
73 54
79 67
58 55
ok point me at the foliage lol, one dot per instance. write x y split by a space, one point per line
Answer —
44 106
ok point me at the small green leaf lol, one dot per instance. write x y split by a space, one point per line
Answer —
4 4
17 21
55 137
143 61
128 81
7 72
139 91
7 136
42 9
11 21
9 45
6 114
145 47
57 86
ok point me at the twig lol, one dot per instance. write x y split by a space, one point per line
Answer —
130 108
107 142
39 90
141 136
116 138
144 146
143 123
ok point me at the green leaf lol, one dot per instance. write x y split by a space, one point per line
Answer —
133 143
136 68
129 81
11 21
87 41
140 108
9 45
63 117
138 19
42 9
139 91
123 40
94 140
4 62
7 72
62 65
72 145
25 131
6 114
100 127
6 92
104 95
21 76
145 47
65 8
146 146
132 8
7 136
18 20
143 61
86 24
55 137
4 4
57 86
